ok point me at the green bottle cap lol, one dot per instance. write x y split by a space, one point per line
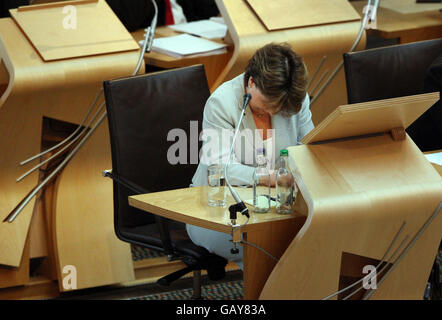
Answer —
284 152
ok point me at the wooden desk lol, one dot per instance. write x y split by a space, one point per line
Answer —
213 64
270 231
33 92
407 27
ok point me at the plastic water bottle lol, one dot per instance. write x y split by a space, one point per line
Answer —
261 193
284 185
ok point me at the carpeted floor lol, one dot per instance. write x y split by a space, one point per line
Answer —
232 290
140 253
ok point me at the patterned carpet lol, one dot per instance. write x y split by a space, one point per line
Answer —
232 290
140 253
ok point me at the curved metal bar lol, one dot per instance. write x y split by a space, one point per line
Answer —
316 71
17 211
65 147
412 242
148 40
13 215
340 65
260 249
68 138
379 264
383 268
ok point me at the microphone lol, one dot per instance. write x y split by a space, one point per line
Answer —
375 11
239 206
152 28
148 38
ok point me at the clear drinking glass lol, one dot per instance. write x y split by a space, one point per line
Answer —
216 186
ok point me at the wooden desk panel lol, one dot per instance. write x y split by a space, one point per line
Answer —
409 6
359 194
270 231
61 90
190 206
407 27
98 30
288 14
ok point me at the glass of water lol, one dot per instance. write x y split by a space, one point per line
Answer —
216 186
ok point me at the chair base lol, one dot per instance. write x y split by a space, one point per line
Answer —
167 280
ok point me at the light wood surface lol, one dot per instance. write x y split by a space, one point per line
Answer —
275 233
288 14
37 231
38 288
97 31
372 117
82 227
270 231
359 193
274 237
332 40
12 277
410 27
189 205
409 6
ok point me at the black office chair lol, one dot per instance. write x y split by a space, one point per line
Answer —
398 71
141 112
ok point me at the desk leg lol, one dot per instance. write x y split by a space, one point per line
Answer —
274 237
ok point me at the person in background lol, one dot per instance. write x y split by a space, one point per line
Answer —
138 14
198 9
426 131
276 77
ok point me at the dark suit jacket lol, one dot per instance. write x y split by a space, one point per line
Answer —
138 14
426 131
198 9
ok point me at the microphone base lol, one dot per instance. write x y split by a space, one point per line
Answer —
238 207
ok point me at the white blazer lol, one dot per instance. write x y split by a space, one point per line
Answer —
222 111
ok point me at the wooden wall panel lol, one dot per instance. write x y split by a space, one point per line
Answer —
62 90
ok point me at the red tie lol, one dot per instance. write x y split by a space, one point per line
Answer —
169 15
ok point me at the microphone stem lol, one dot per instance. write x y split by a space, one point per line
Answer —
232 191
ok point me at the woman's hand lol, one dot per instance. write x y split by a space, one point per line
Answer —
264 181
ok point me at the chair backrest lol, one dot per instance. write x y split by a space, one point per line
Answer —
398 71
142 112
389 72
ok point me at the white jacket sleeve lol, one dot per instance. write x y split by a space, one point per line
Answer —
218 128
